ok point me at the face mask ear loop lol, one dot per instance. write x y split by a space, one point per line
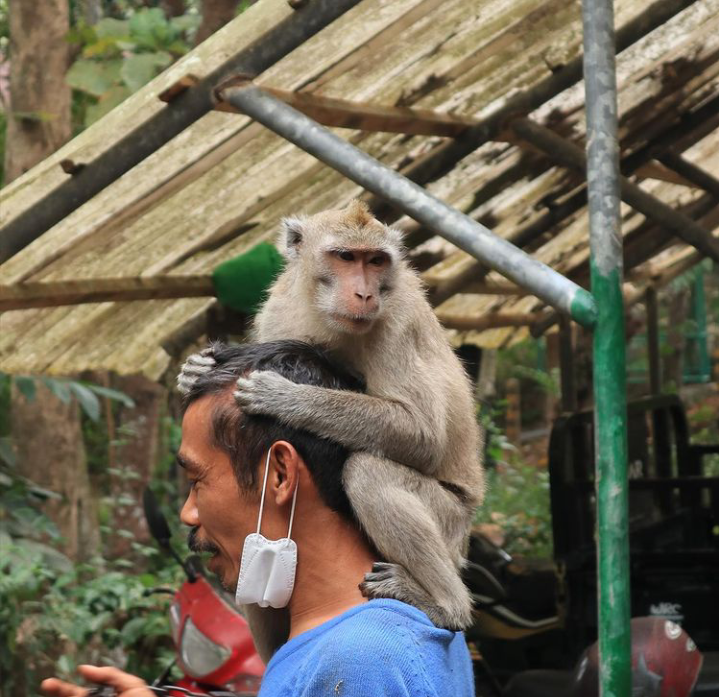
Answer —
292 512
264 487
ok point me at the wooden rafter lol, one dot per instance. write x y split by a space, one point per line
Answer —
341 113
23 296
491 320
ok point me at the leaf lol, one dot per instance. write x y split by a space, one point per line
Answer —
93 77
111 394
65 666
81 35
26 386
59 388
7 454
133 630
102 48
150 29
186 22
139 69
88 400
114 96
108 27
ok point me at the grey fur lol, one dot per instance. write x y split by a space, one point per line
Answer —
196 365
418 411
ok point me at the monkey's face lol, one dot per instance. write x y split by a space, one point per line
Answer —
351 285
346 261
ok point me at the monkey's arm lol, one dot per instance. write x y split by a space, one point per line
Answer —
358 421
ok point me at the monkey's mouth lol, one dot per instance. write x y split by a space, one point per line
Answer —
356 323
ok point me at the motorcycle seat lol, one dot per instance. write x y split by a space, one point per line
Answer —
539 683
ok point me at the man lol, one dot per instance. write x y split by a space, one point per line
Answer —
340 643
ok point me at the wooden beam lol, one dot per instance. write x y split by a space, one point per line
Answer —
567 154
653 344
489 288
492 320
566 365
656 170
341 113
23 296
691 172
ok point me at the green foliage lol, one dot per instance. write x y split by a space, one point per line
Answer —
55 614
119 56
4 26
497 446
518 501
64 389
548 382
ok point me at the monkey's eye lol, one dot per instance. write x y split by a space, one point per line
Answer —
377 261
345 255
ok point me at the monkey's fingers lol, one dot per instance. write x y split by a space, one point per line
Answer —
195 366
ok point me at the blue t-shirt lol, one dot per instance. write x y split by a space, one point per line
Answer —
382 648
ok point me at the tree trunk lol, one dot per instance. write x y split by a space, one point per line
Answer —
173 8
51 453
215 14
135 459
39 118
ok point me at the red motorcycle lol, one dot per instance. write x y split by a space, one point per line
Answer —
214 646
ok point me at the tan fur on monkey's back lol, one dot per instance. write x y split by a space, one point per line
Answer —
405 358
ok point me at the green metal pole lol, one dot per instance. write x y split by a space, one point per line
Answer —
610 398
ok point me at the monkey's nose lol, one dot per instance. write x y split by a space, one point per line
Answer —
364 297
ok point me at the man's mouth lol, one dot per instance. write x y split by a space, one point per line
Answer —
201 546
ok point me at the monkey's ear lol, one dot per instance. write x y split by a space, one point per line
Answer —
291 237
395 237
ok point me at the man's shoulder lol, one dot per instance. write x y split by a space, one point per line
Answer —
383 643
386 624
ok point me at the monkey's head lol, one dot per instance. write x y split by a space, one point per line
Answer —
347 261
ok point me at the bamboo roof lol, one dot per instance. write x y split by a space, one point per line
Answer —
221 185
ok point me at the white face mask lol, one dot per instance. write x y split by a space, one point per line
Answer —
267 567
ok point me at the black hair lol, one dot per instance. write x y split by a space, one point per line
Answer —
246 437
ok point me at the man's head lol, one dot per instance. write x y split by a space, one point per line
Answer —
224 452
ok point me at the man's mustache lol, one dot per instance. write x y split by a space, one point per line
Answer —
200 546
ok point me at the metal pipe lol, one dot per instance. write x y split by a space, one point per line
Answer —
461 230
610 393
159 129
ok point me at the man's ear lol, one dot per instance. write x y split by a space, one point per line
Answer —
285 463
290 240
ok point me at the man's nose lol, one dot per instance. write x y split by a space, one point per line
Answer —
188 514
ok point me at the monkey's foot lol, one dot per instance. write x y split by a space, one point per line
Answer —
392 581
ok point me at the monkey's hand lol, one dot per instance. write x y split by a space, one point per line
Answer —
267 393
194 367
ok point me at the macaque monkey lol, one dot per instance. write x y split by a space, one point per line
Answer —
414 476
